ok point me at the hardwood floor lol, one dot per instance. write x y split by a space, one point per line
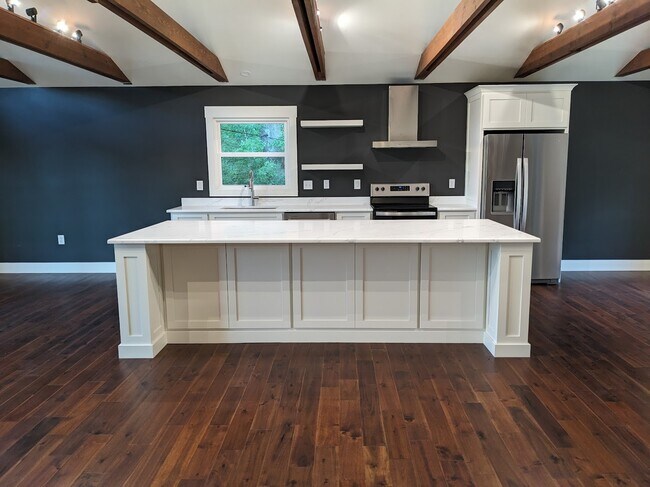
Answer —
576 413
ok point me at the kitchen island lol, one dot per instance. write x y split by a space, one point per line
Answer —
425 281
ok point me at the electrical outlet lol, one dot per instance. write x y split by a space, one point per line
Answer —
199 185
60 239
452 183
357 184
326 184
307 184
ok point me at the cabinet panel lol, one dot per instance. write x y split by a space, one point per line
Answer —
323 285
195 286
387 285
456 215
245 215
189 216
453 286
550 109
503 110
361 215
258 286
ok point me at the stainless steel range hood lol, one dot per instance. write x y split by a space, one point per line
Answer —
403 120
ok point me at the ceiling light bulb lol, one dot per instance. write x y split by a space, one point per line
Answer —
61 26
558 28
579 15
318 12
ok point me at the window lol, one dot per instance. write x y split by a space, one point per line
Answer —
261 139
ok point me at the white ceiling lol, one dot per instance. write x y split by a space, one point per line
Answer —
366 41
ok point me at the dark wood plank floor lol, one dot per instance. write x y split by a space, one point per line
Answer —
576 413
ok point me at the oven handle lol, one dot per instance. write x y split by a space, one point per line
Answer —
406 213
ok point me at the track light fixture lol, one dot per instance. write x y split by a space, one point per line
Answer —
77 35
579 15
12 4
61 27
558 28
32 13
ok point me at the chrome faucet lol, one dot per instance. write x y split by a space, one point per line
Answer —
251 185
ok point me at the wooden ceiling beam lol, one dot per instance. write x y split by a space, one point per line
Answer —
639 63
153 21
30 35
11 72
306 14
609 22
467 16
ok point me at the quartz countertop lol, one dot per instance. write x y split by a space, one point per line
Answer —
325 231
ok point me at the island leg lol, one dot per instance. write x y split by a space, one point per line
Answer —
140 300
508 300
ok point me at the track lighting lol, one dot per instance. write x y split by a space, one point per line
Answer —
12 4
32 13
558 28
579 15
77 35
61 27
601 4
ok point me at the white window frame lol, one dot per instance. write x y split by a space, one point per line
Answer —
270 114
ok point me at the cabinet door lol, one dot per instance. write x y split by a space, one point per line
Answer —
246 215
456 215
361 215
195 286
189 216
549 109
258 286
323 285
453 286
503 110
387 285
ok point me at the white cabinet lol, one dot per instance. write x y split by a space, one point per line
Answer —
323 285
259 294
386 281
456 215
246 215
548 109
357 215
189 216
453 286
504 110
196 295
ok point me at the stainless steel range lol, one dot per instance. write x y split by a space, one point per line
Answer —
400 201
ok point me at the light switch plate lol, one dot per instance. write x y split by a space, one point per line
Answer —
452 183
357 184
60 239
326 184
199 185
307 184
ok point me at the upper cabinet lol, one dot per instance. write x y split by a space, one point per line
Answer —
523 106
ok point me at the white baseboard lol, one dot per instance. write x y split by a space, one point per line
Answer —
57 267
605 265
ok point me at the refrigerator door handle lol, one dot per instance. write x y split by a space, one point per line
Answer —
518 192
524 210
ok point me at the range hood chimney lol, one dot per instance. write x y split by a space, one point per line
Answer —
403 120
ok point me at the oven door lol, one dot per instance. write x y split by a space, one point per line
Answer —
430 214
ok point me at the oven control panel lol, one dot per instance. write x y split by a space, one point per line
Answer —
399 189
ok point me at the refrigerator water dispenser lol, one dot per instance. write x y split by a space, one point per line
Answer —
503 197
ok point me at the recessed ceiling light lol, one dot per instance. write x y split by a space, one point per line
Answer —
579 15
245 73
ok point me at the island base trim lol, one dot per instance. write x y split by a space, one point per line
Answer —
145 350
506 350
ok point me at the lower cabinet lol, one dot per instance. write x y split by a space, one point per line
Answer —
246 215
196 294
386 294
456 215
323 285
358 215
189 216
259 293
453 286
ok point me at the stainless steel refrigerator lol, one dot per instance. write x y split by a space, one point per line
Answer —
524 180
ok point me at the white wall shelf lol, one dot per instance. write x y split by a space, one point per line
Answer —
331 167
324 124
404 144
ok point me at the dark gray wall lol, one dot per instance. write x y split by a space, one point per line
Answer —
94 163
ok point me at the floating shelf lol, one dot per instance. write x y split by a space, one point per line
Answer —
324 124
403 144
331 167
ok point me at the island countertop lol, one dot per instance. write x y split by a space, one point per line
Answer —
325 231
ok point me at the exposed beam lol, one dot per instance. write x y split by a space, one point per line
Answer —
153 21
11 72
30 35
609 22
463 20
311 35
640 62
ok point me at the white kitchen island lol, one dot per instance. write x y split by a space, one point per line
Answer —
425 281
